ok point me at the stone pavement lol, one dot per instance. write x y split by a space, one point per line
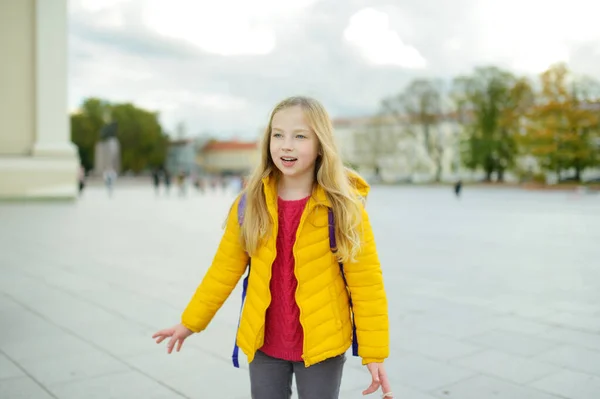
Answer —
496 295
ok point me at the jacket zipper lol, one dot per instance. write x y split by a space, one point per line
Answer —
261 335
300 225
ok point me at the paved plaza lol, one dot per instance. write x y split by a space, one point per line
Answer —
493 296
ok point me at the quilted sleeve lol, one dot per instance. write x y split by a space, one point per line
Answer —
228 266
365 282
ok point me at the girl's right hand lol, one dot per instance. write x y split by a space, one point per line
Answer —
178 334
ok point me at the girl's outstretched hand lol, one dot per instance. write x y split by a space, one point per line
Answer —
378 379
178 334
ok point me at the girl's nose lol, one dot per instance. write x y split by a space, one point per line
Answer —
288 144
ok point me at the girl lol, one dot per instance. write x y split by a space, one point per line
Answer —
297 318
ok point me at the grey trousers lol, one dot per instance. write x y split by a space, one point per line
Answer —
271 378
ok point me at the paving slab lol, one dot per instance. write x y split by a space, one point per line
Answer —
493 296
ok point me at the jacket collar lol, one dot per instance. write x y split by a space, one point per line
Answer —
318 196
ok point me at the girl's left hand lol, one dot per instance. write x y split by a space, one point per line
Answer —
379 379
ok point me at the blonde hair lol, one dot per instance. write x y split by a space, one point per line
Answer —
330 174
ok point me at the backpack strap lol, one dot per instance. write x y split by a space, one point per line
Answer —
240 212
241 209
333 246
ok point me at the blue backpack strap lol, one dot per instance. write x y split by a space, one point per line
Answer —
241 209
236 349
333 246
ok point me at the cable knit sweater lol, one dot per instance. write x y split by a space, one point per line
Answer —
283 332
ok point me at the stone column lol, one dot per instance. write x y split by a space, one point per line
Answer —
37 158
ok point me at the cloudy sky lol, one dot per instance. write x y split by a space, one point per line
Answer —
220 66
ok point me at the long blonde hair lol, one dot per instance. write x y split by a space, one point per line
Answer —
330 174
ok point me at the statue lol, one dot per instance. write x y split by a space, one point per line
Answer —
108 150
109 130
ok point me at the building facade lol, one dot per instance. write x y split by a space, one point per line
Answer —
181 157
228 157
384 149
37 158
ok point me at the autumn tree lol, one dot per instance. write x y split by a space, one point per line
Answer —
563 127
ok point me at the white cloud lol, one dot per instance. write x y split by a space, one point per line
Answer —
369 31
222 27
216 29
530 35
107 13
115 55
96 5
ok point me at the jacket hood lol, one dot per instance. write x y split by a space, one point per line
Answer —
359 184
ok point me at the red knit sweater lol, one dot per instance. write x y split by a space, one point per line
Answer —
283 333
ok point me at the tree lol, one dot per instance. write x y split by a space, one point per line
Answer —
519 100
491 103
563 129
377 143
85 128
143 143
419 110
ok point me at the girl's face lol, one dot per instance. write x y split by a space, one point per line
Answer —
294 146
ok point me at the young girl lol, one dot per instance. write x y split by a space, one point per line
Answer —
300 305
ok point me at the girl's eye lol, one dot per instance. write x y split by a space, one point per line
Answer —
301 136
276 134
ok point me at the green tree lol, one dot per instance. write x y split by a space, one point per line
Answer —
85 128
143 143
491 103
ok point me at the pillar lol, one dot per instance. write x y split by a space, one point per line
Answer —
37 158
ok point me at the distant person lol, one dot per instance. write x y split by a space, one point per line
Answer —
167 181
81 179
201 184
298 323
181 182
156 181
457 188
110 176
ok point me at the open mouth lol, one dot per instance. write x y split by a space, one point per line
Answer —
288 161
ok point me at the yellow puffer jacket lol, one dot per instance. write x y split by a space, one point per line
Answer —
321 294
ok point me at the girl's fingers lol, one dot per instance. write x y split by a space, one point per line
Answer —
179 343
372 388
163 333
160 336
385 384
171 344
161 339
159 333
177 338
375 382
